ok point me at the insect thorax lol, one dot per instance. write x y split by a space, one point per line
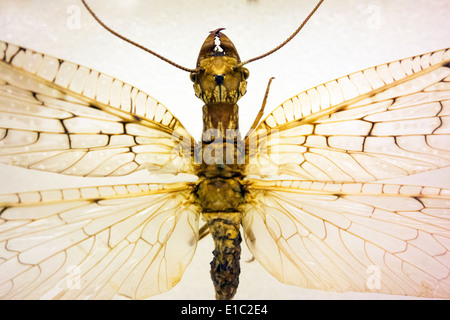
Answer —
220 194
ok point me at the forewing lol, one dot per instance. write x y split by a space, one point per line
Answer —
352 237
388 121
103 242
61 117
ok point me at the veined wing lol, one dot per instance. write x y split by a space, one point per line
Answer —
388 121
61 117
96 242
352 236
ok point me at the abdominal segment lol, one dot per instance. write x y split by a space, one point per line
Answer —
225 268
220 199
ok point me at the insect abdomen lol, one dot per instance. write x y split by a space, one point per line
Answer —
225 268
220 199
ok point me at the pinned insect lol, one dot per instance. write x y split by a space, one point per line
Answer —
322 229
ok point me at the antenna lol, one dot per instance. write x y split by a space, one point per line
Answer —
134 43
288 39
195 70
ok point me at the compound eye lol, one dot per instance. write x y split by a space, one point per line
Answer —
193 76
246 73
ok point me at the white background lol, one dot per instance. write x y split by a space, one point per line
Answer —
343 37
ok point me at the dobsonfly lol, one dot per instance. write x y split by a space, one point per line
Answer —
272 230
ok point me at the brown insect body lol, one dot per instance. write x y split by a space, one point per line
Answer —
334 225
220 82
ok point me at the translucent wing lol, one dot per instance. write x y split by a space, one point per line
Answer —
388 121
97 242
61 117
352 236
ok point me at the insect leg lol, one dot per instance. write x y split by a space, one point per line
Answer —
203 232
261 111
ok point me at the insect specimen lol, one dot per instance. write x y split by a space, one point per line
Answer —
322 230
